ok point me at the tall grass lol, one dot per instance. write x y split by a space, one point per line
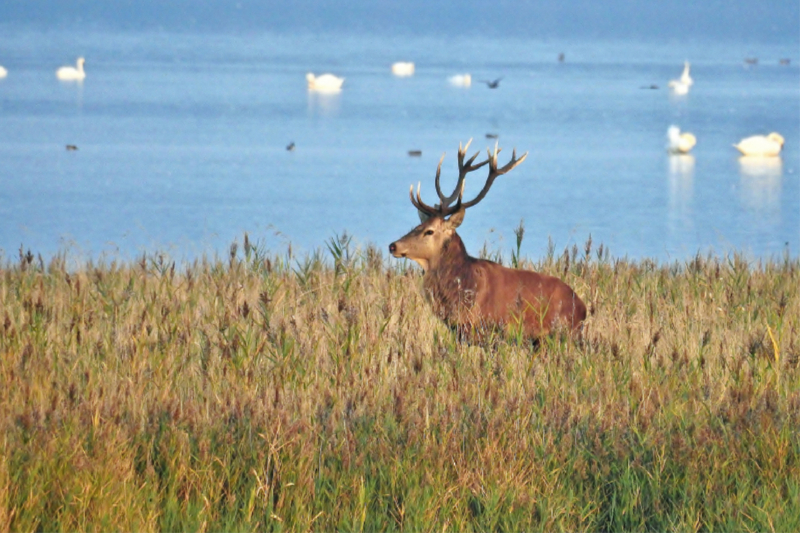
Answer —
262 391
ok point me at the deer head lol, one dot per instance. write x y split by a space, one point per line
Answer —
425 243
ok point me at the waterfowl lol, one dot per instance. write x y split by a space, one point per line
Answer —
685 77
678 87
761 145
682 84
679 143
460 80
325 82
72 73
492 84
403 68
3 72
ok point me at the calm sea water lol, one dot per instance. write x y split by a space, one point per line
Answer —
182 143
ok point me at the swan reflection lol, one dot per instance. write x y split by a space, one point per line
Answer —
681 180
680 221
761 181
324 103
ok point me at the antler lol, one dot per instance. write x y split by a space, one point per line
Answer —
444 209
494 171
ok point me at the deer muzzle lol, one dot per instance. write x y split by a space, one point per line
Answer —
395 251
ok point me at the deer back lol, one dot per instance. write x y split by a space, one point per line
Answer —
511 298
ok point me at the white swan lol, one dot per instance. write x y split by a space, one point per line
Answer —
678 87
323 83
403 69
3 72
72 73
685 77
679 143
681 85
761 146
460 80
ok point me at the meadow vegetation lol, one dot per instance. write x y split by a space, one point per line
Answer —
263 391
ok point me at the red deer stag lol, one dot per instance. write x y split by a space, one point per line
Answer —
475 296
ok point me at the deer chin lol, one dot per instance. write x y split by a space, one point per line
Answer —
424 263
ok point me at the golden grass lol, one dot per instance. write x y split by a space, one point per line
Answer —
263 391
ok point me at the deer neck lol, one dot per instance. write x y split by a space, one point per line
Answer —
450 282
453 255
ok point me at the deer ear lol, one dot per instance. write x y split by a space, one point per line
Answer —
456 218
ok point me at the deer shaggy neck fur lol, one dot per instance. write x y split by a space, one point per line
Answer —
450 284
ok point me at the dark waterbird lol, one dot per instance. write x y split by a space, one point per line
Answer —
492 84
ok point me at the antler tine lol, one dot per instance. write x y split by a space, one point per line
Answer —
438 187
493 154
471 159
462 174
466 146
419 204
513 163
494 172
468 167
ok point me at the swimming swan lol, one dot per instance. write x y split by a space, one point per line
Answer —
403 69
685 77
761 146
3 72
679 143
681 85
72 73
678 87
326 82
460 80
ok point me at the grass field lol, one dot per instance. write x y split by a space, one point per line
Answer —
262 391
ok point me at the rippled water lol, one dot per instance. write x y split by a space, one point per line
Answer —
182 141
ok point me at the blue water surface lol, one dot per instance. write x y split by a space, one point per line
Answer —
182 141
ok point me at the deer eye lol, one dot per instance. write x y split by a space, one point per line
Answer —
429 232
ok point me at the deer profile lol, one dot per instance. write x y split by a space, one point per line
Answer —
476 296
